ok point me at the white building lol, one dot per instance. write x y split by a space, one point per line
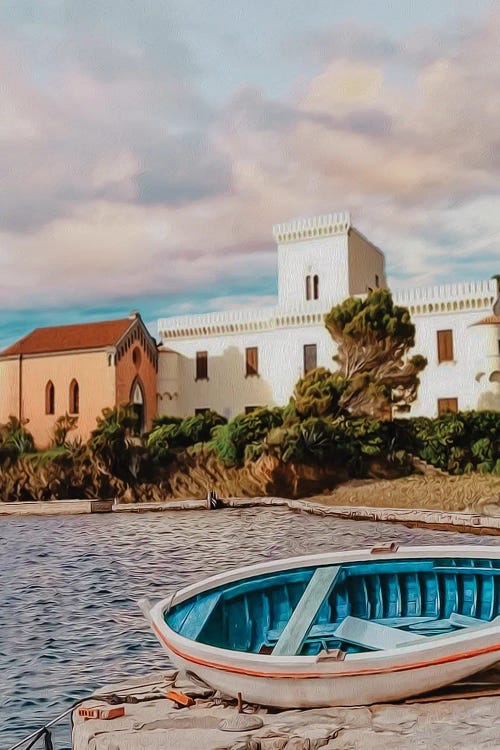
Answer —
234 361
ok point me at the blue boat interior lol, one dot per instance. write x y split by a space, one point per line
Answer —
353 607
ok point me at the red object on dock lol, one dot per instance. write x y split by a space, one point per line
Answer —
98 712
180 698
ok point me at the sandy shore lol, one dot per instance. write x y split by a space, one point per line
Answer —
470 493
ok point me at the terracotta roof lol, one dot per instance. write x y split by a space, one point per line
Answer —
68 338
491 320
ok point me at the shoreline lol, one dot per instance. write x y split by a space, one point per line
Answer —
443 520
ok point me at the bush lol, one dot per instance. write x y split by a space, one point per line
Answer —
458 443
113 441
348 442
62 427
15 440
165 420
318 393
174 434
243 435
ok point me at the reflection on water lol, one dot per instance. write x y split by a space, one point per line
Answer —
69 620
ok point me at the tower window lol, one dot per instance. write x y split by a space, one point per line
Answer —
308 288
74 397
310 358
316 287
377 280
201 365
445 346
252 360
50 397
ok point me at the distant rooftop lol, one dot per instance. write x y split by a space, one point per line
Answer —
71 337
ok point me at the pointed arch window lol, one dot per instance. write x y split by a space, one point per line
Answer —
316 287
50 398
308 288
137 400
74 397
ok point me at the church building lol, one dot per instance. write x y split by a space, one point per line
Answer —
235 361
79 369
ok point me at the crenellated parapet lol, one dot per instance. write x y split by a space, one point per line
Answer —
445 298
317 226
432 300
240 321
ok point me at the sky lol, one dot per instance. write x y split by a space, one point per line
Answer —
147 148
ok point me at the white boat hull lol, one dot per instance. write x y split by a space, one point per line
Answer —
314 681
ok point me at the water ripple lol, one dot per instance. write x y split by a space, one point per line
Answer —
69 586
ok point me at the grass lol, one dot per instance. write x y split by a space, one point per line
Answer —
468 492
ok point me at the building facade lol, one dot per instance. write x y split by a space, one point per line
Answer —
79 369
235 361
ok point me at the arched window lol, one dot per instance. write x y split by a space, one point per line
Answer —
74 397
50 397
316 287
138 402
308 288
136 357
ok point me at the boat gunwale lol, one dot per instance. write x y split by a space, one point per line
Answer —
182 646
323 558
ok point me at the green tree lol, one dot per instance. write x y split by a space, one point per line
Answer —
373 338
318 393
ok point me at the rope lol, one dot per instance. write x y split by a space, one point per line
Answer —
44 731
47 737
111 698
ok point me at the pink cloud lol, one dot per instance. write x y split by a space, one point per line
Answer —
408 161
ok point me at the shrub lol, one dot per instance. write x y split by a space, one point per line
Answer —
458 443
345 441
165 420
318 393
113 441
243 434
15 440
177 434
62 427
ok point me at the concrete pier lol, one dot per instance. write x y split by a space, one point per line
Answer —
152 721
56 507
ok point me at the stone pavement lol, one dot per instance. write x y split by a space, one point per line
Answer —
155 723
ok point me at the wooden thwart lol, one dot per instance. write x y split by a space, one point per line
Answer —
297 627
372 636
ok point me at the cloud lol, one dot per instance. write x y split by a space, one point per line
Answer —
120 177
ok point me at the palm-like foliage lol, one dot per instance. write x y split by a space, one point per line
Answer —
15 440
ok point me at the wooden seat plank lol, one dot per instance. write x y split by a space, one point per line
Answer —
371 635
295 632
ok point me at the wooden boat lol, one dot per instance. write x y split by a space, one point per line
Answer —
338 629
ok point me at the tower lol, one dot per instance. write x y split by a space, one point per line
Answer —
323 260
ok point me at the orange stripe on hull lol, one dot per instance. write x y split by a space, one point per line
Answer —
322 675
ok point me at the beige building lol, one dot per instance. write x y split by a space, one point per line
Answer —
79 369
